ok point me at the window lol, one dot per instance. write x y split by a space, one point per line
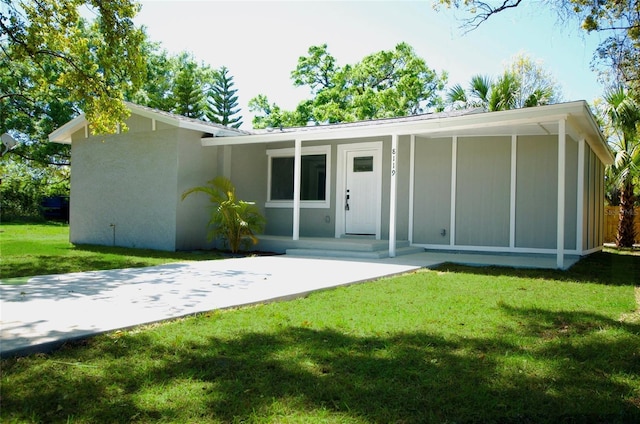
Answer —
363 164
314 177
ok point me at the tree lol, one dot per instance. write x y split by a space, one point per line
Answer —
237 222
222 101
94 62
620 114
618 19
175 83
188 91
524 83
384 84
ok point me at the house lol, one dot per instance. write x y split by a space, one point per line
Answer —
519 181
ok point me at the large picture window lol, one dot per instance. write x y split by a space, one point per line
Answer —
314 177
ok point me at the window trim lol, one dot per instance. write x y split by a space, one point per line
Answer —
306 204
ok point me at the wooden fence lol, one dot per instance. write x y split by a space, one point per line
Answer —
611 223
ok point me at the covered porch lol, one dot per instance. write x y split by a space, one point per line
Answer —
369 249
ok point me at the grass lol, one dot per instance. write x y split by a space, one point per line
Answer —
456 344
43 249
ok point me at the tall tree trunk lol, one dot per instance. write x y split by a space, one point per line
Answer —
626 230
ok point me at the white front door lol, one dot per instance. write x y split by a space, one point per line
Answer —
362 192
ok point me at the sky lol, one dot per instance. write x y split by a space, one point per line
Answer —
260 41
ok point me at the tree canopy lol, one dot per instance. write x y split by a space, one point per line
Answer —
524 83
383 84
619 20
223 101
49 48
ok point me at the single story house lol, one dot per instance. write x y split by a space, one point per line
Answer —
519 181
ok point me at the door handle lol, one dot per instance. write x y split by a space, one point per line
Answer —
346 203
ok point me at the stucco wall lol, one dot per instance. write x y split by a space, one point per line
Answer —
112 201
196 166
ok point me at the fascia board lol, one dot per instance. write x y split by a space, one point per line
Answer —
63 134
425 127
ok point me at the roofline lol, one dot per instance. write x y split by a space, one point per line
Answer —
434 124
63 134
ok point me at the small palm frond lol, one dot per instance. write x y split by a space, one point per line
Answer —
457 95
480 87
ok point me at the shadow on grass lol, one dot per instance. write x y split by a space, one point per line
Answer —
89 257
601 268
302 373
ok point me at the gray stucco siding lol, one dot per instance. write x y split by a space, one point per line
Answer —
432 191
483 184
196 166
108 189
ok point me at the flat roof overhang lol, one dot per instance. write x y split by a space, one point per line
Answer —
543 120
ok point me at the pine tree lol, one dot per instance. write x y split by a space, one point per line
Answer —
222 101
187 92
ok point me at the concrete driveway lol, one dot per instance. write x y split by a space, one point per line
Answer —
44 312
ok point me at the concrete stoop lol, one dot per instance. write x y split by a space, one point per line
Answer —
355 254
345 247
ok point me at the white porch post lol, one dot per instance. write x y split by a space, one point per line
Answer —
412 171
512 200
454 176
297 168
580 199
561 189
393 196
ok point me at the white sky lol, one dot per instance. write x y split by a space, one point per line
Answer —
260 41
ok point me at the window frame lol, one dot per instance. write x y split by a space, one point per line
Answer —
306 151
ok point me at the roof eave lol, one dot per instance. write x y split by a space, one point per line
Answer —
63 134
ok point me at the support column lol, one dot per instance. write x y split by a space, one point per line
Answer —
393 196
561 189
454 174
580 198
512 200
297 169
412 167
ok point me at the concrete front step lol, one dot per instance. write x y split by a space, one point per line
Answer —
356 254
367 245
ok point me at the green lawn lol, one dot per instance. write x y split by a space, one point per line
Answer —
42 249
456 344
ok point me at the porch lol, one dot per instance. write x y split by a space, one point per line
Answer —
346 247
364 249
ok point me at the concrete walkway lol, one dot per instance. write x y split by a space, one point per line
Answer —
40 313
45 311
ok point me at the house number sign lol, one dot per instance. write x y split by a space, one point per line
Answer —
393 162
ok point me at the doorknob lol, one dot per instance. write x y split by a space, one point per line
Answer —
346 203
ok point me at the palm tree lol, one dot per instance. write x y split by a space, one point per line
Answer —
476 96
504 92
621 116
237 222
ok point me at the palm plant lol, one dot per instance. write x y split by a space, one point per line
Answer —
504 93
235 221
621 116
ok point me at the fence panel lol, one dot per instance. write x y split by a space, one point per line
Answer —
611 223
